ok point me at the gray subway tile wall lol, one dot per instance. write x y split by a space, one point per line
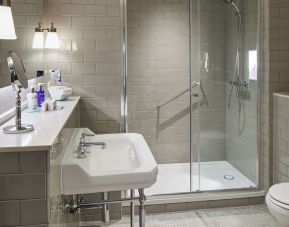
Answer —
39 159
274 77
23 190
212 113
9 213
34 212
22 186
263 71
241 121
158 69
281 141
9 163
90 36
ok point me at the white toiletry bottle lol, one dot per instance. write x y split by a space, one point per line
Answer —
32 99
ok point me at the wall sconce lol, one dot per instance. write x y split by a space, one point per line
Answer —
7 28
52 40
38 40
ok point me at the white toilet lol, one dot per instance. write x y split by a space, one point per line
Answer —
277 200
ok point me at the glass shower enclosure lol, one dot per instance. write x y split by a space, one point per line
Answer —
191 88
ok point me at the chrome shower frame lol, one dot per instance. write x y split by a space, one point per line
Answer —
123 101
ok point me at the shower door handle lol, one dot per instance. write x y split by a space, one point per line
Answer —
195 84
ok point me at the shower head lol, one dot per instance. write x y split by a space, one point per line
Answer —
234 5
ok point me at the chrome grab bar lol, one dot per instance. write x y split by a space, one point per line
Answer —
194 84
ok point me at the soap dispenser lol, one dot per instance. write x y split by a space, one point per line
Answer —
40 94
32 99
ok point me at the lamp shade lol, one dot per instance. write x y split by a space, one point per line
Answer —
52 41
7 28
38 40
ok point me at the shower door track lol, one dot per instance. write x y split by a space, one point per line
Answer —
202 196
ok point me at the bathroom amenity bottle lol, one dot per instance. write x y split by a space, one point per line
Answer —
40 94
32 100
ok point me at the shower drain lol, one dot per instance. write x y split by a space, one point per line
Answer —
229 177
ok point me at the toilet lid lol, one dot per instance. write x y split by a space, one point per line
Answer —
280 192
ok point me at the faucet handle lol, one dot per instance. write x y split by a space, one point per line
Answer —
81 156
81 151
83 135
87 134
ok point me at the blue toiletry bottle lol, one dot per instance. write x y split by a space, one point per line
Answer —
40 95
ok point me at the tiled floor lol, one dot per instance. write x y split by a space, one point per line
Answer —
175 178
253 216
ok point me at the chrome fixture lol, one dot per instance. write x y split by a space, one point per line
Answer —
81 148
105 208
142 214
18 81
132 195
234 5
52 40
124 68
206 61
76 204
238 82
229 177
7 28
71 205
194 84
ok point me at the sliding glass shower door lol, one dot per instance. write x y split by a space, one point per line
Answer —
198 116
225 106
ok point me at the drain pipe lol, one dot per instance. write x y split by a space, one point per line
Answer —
77 204
105 209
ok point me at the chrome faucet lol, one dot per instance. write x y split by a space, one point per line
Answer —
81 148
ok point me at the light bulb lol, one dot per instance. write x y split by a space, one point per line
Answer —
7 28
38 40
52 41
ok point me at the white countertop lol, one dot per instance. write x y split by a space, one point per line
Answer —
282 94
47 126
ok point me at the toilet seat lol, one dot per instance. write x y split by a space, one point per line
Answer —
279 195
277 200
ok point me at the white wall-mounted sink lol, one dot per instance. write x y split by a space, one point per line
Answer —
125 163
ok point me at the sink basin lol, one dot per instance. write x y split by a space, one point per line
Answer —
126 162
